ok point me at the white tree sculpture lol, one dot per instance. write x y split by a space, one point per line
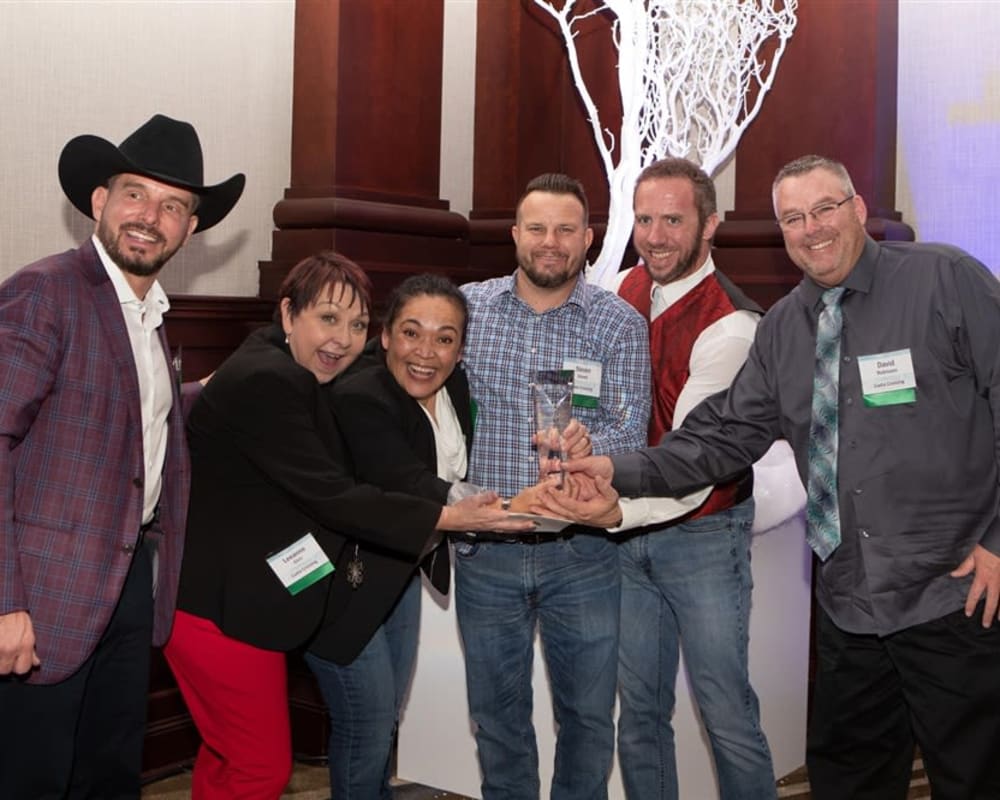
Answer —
691 78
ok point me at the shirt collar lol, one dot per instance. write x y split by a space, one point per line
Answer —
156 303
507 286
671 292
859 279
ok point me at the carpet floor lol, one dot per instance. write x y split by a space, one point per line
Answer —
309 782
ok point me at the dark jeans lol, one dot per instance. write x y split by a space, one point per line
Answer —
569 591
364 700
936 684
82 737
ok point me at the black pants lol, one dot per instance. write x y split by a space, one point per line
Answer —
936 684
82 737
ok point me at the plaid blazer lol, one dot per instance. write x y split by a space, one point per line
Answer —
71 462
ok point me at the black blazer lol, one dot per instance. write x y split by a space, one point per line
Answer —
268 465
392 446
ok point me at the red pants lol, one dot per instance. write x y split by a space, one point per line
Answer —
238 697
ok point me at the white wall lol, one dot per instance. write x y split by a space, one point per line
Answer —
104 68
458 97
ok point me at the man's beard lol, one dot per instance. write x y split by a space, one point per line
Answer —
134 265
550 280
686 263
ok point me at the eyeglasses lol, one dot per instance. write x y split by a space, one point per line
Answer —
821 213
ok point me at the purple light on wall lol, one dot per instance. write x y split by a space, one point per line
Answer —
949 124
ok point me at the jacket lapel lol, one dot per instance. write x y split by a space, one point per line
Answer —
111 319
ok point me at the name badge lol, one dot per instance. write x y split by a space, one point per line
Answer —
586 381
888 379
301 564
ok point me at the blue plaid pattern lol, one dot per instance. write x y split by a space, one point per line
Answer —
508 340
823 507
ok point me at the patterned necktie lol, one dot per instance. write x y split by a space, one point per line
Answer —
823 507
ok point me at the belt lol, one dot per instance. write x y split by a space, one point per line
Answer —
513 538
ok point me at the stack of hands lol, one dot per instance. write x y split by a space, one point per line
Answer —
578 489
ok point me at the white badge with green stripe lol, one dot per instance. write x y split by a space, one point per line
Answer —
887 379
300 564
586 381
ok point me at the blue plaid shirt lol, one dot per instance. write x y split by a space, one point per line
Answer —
508 340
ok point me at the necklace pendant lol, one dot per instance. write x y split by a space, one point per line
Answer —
355 571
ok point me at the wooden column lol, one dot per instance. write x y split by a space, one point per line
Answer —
529 119
366 131
834 95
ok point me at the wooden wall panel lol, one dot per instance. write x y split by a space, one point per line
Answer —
529 118
366 102
835 95
389 104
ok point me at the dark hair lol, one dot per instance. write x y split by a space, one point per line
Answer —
704 189
556 183
430 285
804 164
307 280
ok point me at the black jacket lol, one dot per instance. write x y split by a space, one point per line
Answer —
268 465
391 443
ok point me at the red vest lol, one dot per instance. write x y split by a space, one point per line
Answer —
671 339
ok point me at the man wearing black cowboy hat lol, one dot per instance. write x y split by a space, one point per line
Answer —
93 467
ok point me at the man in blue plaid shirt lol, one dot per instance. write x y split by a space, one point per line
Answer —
545 316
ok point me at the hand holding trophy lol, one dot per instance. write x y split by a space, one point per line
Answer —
552 394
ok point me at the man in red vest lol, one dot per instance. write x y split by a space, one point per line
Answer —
688 581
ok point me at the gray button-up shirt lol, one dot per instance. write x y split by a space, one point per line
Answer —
918 481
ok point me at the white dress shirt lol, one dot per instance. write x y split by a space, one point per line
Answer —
142 318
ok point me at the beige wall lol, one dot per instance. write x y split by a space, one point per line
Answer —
103 67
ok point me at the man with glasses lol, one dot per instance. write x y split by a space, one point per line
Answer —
883 372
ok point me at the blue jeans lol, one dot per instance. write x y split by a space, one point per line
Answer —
690 584
570 590
364 700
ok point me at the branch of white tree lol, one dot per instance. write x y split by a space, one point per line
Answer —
685 74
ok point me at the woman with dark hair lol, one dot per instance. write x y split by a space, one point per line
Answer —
275 527
410 428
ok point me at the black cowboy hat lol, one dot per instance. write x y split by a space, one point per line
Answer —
164 149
